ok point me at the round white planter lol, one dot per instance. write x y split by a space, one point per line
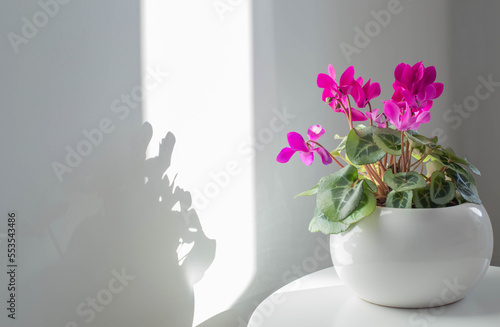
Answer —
415 258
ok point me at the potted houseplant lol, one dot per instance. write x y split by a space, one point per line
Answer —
407 225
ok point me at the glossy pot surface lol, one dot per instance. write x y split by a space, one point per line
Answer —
414 258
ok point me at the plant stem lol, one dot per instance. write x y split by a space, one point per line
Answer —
350 112
421 160
383 167
374 174
402 158
371 117
331 155
392 163
346 112
410 151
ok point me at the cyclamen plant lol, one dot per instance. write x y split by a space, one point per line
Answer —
383 162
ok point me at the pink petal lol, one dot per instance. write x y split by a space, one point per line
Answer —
427 93
327 93
421 96
398 94
430 92
439 89
359 95
373 114
346 89
426 105
331 72
315 132
423 117
336 105
380 119
412 124
392 112
398 72
418 70
405 121
285 155
373 91
357 115
307 158
325 157
347 77
296 142
408 77
429 75
409 98
324 81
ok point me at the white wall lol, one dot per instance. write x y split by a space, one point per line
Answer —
474 117
207 105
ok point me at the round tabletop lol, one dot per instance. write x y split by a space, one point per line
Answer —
321 300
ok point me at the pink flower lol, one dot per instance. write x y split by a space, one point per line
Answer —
415 85
339 91
403 118
363 94
379 119
306 149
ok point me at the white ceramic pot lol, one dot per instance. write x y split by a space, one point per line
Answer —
415 258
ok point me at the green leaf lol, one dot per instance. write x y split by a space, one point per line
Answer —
404 181
433 166
422 144
451 153
418 139
400 199
441 190
309 192
418 156
449 159
452 157
371 185
459 198
388 140
456 167
340 147
366 206
361 148
472 167
321 223
465 184
338 137
342 144
422 198
339 194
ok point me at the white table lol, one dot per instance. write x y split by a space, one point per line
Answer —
321 300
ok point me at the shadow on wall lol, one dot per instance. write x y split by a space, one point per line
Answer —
133 263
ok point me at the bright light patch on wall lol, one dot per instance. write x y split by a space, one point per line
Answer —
197 61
